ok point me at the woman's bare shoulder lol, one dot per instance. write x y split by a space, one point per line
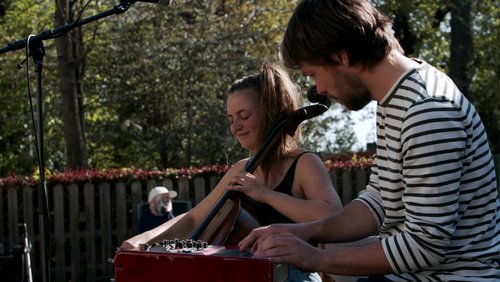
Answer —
310 162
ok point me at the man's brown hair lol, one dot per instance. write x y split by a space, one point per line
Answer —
320 28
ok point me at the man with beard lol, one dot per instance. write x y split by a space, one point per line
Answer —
432 198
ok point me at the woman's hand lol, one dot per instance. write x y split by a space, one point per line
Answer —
135 243
248 184
132 244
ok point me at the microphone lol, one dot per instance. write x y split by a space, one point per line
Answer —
312 94
159 2
315 97
322 104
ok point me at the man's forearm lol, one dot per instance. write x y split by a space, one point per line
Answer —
342 228
367 259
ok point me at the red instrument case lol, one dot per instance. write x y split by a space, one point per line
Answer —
214 264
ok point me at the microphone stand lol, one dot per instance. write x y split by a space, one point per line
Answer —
37 51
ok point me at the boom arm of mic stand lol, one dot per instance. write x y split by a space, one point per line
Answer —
49 34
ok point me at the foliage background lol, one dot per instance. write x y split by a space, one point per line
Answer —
154 79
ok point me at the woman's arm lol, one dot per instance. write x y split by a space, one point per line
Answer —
313 194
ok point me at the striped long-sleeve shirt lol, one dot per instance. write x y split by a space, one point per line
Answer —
433 188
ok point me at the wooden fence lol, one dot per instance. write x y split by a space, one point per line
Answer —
90 220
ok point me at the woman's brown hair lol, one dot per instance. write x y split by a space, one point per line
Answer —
277 98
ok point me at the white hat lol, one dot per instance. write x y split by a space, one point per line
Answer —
161 190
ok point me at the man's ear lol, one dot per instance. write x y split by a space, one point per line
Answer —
340 58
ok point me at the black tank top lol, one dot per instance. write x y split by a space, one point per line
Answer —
285 187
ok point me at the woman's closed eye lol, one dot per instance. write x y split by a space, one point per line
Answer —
240 117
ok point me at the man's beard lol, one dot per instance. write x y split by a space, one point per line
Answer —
354 93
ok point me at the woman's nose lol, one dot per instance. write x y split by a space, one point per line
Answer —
236 126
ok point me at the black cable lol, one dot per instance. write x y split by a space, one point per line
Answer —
30 98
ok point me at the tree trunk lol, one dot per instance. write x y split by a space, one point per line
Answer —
461 44
68 64
404 34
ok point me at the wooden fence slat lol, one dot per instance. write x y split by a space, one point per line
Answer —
200 191
13 207
136 198
150 184
346 186
105 217
183 189
167 182
121 211
59 233
361 181
74 231
90 233
335 182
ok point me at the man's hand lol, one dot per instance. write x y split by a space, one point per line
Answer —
281 246
259 235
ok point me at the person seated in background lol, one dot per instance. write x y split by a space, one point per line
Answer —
160 209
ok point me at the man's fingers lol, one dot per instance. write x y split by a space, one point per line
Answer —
245 243
254 238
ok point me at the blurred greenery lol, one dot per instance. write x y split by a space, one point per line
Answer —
155 78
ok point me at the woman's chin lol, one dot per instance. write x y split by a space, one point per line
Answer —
248 147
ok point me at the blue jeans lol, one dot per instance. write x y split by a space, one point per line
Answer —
374 279
297 275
